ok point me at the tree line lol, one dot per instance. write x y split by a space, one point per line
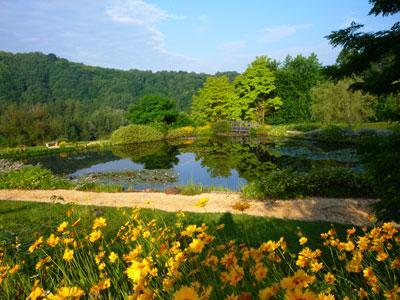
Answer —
43 97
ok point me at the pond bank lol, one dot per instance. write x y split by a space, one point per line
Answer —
340 210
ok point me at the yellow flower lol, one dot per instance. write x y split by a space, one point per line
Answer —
268 292
36 244
68 254
62 226
298 294
52 241
329 278
316 266
102 285
134 271
189 230
99 222
362 293
67 293
196 246
381 256
113 257
202 202
37 292
303 240
260 272
94 236
299 280
325 297
186 293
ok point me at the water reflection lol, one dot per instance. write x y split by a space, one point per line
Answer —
223 162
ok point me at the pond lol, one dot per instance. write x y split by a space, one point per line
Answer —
219 162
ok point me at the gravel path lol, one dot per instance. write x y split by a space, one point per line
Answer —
340 210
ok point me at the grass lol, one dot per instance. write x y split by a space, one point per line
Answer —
196 189
25 219
32 151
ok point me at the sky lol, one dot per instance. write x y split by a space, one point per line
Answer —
190 35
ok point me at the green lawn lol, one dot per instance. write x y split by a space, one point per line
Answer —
24 219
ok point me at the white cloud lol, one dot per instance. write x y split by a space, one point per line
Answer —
144 19
137 12
273 34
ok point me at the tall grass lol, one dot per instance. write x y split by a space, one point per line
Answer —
148 258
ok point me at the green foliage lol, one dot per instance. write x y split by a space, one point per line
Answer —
388 107
334 103
36 77
152 109
256 91
35 124
183 119
373 56
191 189
135 134
381 156
294 80
327 182
213 101
97 187
221 127
32 177
175 133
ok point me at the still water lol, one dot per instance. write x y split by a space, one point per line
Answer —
221 162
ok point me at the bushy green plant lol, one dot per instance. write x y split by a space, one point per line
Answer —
381 156
221 127
326 182
336 103
33 177
187 131
135 134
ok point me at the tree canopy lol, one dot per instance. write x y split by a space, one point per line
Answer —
335 103
294 79
256 91
214 100
373 56
153 108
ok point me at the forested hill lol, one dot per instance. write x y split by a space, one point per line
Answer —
36 77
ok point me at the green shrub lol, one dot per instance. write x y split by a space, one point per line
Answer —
135 134
205 130
187 131
381 156
33 177
98 187
326 182
221 127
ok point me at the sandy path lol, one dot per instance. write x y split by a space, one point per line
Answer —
341 210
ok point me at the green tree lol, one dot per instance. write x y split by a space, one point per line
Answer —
294 80
213 101
152 109
335 103
374 56
256 91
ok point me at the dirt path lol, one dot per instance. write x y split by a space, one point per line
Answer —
341 210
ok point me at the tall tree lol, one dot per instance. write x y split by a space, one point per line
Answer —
256 91
294 80
334 102
153 109
374 56
214 100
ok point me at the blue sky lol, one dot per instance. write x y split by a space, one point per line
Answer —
201 36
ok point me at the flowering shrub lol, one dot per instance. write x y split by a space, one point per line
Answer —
146 260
